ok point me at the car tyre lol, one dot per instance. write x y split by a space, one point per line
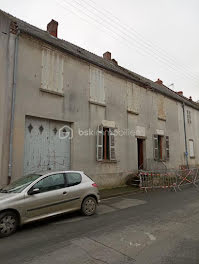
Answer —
89 206
9 222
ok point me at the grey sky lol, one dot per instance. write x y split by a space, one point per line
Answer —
156 38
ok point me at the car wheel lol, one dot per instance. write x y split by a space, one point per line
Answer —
8 223
89 206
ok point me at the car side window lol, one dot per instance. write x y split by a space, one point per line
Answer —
73 178
50 183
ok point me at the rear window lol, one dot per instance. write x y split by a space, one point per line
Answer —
73 178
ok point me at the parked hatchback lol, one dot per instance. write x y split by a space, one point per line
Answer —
41 195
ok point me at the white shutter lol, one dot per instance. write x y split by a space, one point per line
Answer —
155 140
97 92
191 148
100 143
112 144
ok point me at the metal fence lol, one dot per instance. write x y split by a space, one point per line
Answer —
172 179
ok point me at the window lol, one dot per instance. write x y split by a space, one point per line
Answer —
50 183
191 148
105 144
73 178
188 116
161 147
52 71
133 98
161 108
97 93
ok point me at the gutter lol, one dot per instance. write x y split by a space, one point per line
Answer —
13 107
185 136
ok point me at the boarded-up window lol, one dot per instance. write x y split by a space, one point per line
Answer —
133 97
191 148
52 71
105 144
161 107
97 92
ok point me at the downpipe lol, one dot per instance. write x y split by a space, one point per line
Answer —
185 137
13 107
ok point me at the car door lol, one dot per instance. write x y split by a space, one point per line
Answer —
74 190
50 199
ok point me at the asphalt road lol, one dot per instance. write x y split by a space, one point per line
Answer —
157 227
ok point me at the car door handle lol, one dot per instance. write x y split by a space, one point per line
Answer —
64 193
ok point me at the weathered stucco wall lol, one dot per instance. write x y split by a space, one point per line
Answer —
74 107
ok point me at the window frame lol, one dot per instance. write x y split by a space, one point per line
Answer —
191 157
67 183
33 186
165 148
111 144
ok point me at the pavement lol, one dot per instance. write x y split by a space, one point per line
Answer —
159 227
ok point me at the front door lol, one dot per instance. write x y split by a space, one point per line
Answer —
140 150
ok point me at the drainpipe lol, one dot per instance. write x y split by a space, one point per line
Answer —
185 137
13 106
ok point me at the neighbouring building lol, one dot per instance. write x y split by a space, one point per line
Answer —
62 107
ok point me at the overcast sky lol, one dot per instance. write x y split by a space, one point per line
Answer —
156 38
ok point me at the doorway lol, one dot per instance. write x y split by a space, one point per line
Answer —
140 151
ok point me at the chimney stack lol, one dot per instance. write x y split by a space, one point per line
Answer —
52 28
107 55
159 81
180 92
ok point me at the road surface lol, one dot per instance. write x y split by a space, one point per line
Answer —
157 227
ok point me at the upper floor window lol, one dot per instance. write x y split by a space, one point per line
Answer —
52 71
161 108
133 98
97 92
188 116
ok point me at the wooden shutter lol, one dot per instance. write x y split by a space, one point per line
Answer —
100 143
167 147
155 140
112 144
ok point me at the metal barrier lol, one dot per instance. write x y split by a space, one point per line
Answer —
172 179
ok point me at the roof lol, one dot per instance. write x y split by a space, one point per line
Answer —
97 60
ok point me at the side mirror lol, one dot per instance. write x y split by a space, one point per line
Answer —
33 191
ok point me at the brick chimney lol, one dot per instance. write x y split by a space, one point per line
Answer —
180 92
159 81
52 28
114 61
107 55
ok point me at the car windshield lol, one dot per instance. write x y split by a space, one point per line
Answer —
19 185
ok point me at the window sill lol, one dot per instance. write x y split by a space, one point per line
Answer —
107 161
52 92
132 112
193 157
162 118
96 103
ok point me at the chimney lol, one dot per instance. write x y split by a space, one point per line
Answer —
114 61
107 55
52 28
180 93
190 98
159 81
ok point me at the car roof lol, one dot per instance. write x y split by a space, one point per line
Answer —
42 173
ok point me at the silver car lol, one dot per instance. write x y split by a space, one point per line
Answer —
42 195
